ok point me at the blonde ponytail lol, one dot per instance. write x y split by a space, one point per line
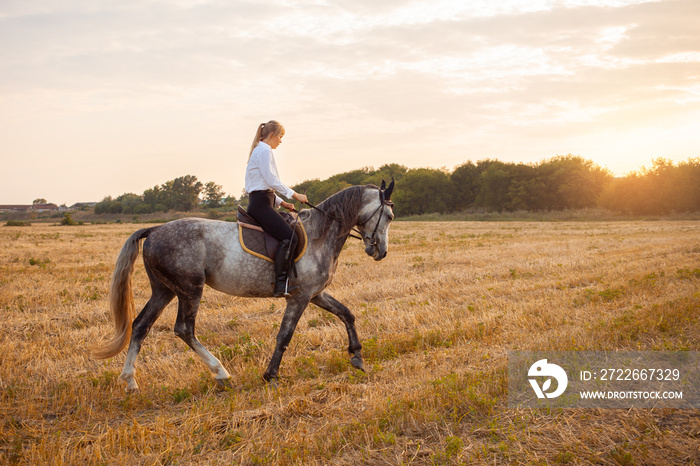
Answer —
271 128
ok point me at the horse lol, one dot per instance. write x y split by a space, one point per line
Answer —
182 256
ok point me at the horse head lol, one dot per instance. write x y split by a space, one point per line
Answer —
374 221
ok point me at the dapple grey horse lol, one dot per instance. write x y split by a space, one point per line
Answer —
181 256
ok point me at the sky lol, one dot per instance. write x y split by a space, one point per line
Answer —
106 97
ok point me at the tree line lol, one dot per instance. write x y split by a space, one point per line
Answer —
559 183
181 194
664 188
564 182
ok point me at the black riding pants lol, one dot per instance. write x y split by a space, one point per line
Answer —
261 208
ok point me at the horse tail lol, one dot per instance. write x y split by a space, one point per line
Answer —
121 299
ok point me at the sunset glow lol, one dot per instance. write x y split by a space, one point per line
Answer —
119 96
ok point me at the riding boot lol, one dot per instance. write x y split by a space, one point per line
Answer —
282 262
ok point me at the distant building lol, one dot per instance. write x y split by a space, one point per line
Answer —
44 208
29 208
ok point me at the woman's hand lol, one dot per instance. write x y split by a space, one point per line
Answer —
287 205
301 198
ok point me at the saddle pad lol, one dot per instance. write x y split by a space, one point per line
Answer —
256 242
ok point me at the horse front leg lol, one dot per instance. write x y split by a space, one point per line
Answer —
332 305
295 308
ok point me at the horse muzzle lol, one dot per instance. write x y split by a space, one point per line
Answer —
374 251
370 249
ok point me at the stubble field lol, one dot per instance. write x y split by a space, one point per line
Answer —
436 319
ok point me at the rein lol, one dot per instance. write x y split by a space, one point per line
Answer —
333 217
372 239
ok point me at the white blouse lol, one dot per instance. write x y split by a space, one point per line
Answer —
261 173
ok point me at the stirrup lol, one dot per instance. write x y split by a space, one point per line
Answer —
286 292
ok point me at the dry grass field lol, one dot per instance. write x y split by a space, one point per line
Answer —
436 319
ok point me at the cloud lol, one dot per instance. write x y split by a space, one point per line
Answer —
414 82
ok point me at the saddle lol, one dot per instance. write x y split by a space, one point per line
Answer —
263 245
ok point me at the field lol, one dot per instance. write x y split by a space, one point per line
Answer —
436 319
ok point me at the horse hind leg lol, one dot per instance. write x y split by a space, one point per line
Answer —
188 304
161 296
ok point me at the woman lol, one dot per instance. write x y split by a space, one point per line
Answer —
261 182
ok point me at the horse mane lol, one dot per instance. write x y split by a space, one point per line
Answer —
343 207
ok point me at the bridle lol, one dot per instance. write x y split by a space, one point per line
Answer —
372 238
382 202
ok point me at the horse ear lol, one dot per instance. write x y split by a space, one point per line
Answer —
383 186
387 193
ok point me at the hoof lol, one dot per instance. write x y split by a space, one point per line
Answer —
356 362
131 385
272 383
224 383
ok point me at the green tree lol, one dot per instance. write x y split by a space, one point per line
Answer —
661 189
422 191
229 203
318 190
686 181
465 185
181 194
132 204
244 199
354 177
153 197
386 173
68 220
623 194
524 189
571 182
108 206
494 184
213 195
